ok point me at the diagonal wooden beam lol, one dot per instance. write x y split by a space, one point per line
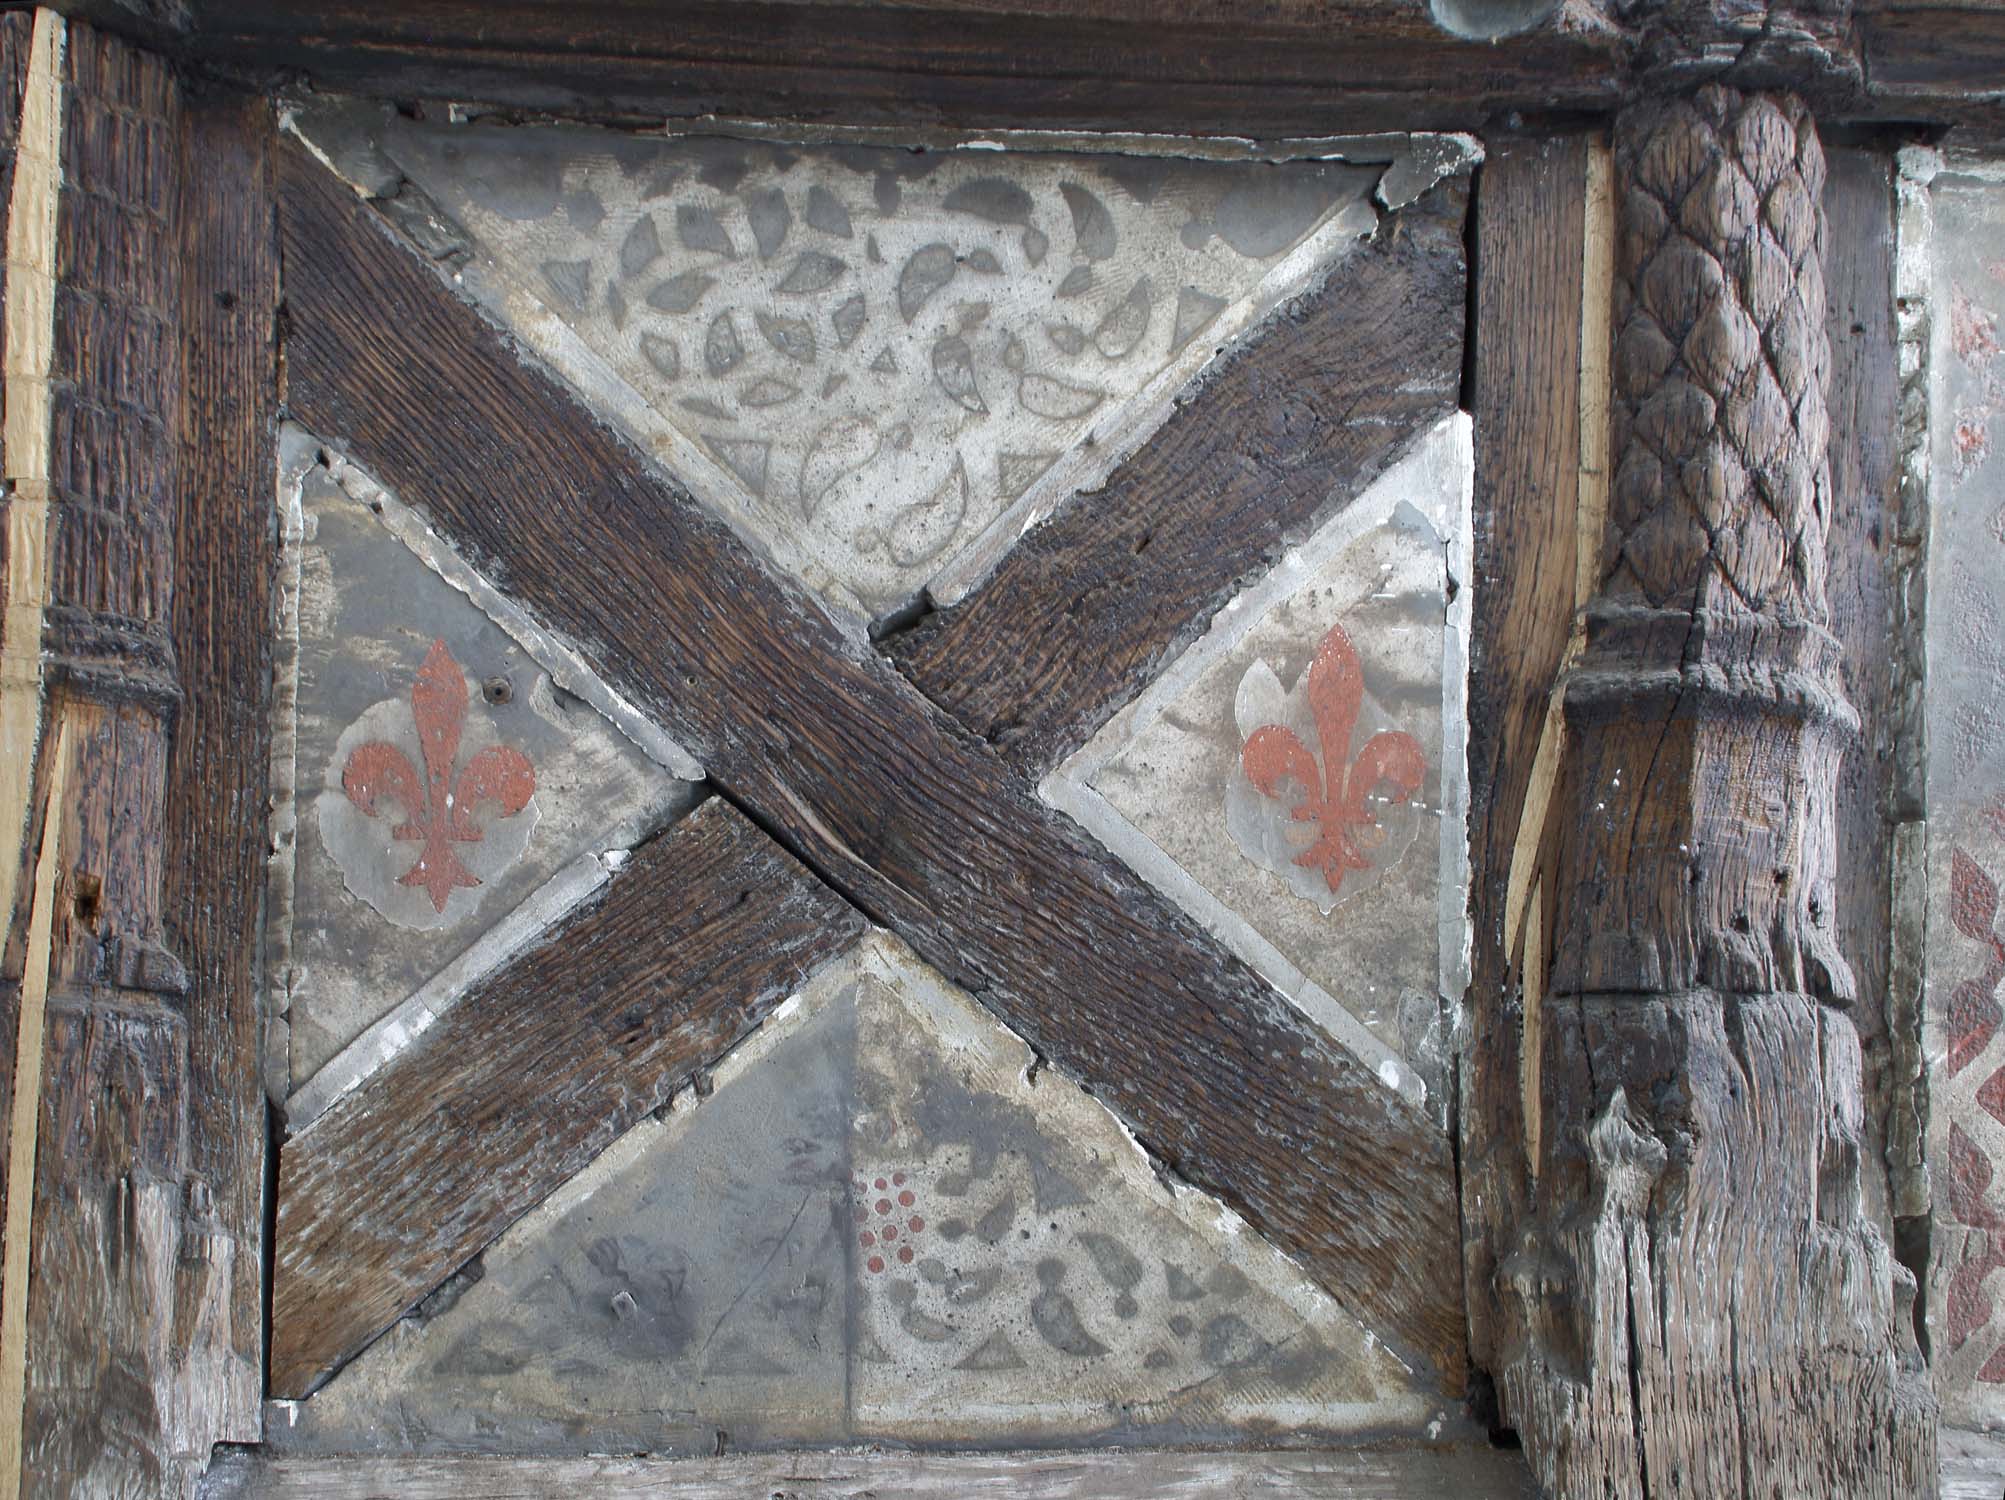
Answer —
923 825
1283 432
531 1075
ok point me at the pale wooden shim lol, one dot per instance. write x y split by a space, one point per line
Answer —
1597 290
24 1127
29 337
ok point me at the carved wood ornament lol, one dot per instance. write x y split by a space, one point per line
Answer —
1699 1305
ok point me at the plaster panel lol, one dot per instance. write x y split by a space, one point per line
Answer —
883 1223
1965 709
1297 779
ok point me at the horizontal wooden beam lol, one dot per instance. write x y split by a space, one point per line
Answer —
1100 64
1291 67
1390 1473
532 1074
1281 434
922 824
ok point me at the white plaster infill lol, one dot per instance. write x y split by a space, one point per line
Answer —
1442 464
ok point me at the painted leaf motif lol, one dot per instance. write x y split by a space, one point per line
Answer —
767 212
698 229
826 213
839 449
1125 323
920 531
680 293
722 348
812 271
641 248
930 268
1048 397
954 370
848 320
793 337
1092 226
996 199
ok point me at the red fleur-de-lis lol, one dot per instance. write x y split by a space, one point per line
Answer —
1334 796
438 809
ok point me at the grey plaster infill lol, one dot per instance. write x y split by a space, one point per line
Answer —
394 1031
660 1128
1128 426
339 134
565 663
391 1033
1069 788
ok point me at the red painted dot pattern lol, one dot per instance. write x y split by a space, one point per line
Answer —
885 1222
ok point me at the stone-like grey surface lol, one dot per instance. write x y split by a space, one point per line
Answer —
368 616
1370 946
879 364
879 1225
1965 710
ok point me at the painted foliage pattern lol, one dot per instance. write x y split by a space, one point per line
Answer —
878 1225
866 357
1966 793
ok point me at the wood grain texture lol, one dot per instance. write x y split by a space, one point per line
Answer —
921 824
1530 216
1268 71
535 1071
1368 1474
219 758
1284 430
1864 587
1695 1301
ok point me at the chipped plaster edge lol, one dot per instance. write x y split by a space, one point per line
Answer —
297 453
1909 1023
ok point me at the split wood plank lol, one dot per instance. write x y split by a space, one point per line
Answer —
1869 555
218 761
1389 1473
533 1073
1281 433
921 824
1530 226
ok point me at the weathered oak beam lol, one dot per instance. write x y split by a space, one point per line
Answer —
532 1074
1281 433
922 825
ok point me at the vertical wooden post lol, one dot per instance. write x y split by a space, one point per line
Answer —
138 1280
1696 1304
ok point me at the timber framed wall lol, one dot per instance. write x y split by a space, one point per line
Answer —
1685 304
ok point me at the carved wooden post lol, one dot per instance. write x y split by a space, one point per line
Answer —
1701 1307
139 415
